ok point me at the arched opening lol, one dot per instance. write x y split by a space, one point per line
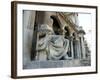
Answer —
56 25
66 32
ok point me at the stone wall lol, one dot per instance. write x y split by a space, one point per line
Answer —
28 26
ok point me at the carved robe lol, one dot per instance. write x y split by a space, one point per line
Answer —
54 47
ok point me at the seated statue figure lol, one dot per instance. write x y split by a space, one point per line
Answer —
42 42
57 47
51 46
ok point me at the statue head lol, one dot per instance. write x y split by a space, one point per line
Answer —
45 29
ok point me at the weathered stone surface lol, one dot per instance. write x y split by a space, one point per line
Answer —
32 65
51 64
76 51
56 64
46 64
85 62
71 63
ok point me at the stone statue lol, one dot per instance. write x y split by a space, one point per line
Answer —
49 45
57 47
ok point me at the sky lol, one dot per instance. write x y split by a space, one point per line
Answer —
86 23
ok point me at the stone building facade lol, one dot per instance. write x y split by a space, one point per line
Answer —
56 39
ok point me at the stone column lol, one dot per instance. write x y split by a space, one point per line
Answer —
79 46
83 48
75 48
72 52
81 35
78 49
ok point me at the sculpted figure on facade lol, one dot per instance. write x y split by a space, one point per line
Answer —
54 47
59 37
